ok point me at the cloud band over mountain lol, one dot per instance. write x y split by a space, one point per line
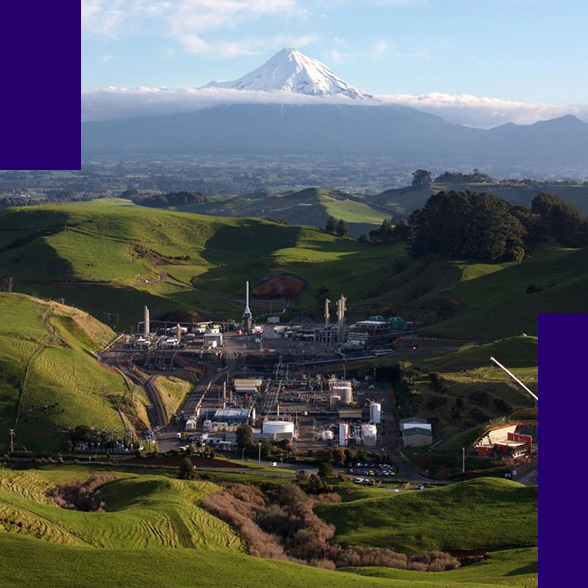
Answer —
117 103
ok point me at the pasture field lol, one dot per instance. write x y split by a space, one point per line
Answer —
110 258
153 532
49 378
488 513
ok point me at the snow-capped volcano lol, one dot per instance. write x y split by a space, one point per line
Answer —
292 71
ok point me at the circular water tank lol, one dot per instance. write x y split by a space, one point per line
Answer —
328 435
272 427
345 391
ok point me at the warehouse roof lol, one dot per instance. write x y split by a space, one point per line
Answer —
232 413
413 420
417 431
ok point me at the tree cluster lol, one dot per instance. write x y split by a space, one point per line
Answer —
459 177
389 233
279 522
82 495
336 227
171 199
422 178
468 225
561 220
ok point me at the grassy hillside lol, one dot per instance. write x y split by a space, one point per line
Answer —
110 258
311 206
481 514
154 533
49 379
142 512
516 566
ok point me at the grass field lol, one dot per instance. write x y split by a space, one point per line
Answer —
49 379
172 391
107 256
155 533
311 206
486 513
512 567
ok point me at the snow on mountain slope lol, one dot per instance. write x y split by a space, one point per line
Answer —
292 71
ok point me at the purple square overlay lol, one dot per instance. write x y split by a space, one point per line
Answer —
40 85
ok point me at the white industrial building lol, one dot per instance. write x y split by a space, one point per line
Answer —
375 413
369 434
234 416
247 385
416 432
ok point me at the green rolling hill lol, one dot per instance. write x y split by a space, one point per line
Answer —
154 532
49 378
486 513
110 258
311 206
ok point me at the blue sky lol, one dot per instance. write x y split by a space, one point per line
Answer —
526 50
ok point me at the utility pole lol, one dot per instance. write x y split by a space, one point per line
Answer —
463 460
327 313
11 442
9 285
259 456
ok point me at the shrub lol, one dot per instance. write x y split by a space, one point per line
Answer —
81 495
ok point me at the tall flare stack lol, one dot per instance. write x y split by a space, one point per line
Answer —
146 322
247 316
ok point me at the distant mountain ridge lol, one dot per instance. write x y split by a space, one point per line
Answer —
341 130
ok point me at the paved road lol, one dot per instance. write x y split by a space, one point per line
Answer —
392 439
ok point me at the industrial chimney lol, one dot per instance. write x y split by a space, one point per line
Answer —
247 316
146 322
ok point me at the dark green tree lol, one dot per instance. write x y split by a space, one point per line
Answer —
186 469
325 469
561 220
331 225
244 436
422 178
342 230
401 232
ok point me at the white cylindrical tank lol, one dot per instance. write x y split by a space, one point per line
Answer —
369 434
328 435
343 434
345 391
376 413
272 427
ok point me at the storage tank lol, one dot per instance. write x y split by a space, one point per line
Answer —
273 427
343 434
376 413
369 435
334 401
345 391
328 435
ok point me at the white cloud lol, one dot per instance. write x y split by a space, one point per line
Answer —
102 17
116 103
484 112
245 46
380 49
192 24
